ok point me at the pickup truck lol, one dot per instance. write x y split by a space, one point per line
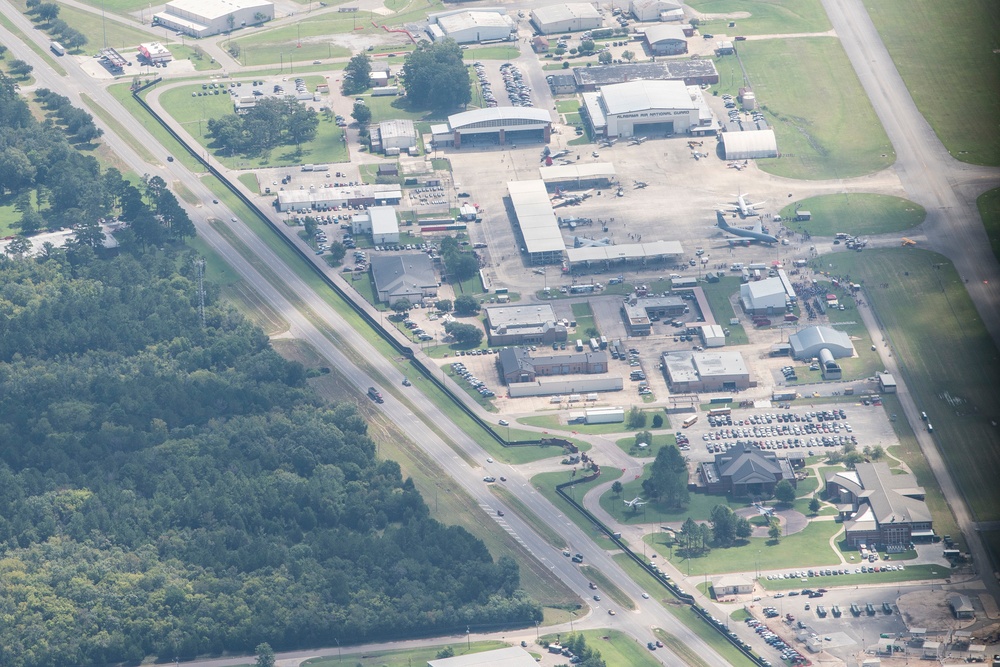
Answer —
374 394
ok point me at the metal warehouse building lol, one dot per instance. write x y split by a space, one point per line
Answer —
666 40
647 108
567 17
691 72
750 144
201 18
807 343
578 176
469 26
721 370
538 224
656 10
495 126
609 256
399 134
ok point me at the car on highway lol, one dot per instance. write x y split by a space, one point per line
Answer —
504 422
406 382
597 598
489 478
215 201
170 158
645 596
611 612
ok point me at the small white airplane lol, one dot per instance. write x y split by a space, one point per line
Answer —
745 208
639 185
572 200
635 502
635 141
559 154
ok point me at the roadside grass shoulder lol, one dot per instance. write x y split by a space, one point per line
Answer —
605 586
250 181
948 360
117 35
546 482
616 648
958 94
552 422
405 657
807 548
858 214
766 16
833 131
989 210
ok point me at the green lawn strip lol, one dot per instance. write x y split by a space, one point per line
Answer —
857 214
766 16
119 6
948 360
194 113
617 649
546 483
552 422
471 286
184 193
831 133
718 295
811 546
628 445
491 53
709 635
103 31
5 60
568 106
250 180
607 587
679 648
406 657
989 210
957 95
740 615
911 573
304 40
537 524
44 53
699 506
124 96
201 60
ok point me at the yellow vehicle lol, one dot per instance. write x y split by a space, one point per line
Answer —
908 242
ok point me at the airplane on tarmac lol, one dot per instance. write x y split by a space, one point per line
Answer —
746 235
635 502
607 143
636 141
559 154
639 185
743 207
572 200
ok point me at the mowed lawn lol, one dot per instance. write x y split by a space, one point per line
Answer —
825 126
616 648
119 36
766 16
858 214
949 362
951 70
989 209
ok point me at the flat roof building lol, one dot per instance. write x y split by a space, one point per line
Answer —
496 126
609 256
763 297
656 10
648 108
543 241
666 40
706 371
638 314
471 26
404 276
155 52
324 199
566 17
749 144
694 72
379 221
202 18
523 324
516 364
400 134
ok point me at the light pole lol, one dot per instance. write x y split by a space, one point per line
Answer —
338 648
536 631
468 638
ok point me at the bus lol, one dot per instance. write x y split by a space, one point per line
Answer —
57 48
720 412
689 421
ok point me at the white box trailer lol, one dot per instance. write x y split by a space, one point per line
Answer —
605 415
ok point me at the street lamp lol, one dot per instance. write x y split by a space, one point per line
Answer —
468 637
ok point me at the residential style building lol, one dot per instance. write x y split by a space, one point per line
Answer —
745 471
403 276
732 584
517 365
879 508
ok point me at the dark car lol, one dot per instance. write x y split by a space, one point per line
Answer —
170 158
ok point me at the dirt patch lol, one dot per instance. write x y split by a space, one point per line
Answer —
929 609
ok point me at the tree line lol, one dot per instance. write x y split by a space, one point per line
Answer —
171 487
47 15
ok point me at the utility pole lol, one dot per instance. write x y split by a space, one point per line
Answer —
200 263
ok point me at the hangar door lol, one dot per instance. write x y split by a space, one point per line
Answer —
653 129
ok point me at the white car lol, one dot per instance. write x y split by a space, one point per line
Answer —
504 422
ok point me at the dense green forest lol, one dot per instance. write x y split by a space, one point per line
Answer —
171 488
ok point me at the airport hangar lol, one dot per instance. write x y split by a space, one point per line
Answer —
202 18
494 126
469 26
648 108
666 40
566 17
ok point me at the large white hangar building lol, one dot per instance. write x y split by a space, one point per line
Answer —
648 108
543 241
496 126
750 144
471 26
566 17
201 18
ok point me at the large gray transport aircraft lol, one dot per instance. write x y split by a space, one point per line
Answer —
756 234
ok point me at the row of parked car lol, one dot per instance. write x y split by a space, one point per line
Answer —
787 652
475 382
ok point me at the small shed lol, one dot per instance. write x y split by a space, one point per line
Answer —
391 169
540 44
961 606
886 383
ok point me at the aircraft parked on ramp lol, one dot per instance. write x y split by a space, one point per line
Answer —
751 235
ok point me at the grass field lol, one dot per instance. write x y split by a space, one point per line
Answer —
546 483
698 508
855 214
949 361
118 35
195 112
718 300
831 132
805 549
490 53
403 658
617 649
552 422
911 573
660 440
958 94
766 16
989 209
